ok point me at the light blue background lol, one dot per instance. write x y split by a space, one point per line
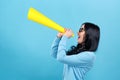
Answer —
25 45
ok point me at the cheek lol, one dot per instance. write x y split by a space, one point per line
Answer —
82 35
81 39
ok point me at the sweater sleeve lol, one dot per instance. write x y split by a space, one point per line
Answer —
54 47
82 59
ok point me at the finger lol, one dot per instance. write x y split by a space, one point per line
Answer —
71 30
68 29
65 29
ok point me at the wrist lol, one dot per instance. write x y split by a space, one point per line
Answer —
59 36
66 36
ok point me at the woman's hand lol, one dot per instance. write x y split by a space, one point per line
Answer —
68 33
60 34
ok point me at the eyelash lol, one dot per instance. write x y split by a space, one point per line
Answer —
81 29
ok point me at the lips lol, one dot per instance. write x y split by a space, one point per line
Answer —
78 37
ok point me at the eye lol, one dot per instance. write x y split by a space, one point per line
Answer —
81 29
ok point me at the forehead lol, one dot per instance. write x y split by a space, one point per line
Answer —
83 26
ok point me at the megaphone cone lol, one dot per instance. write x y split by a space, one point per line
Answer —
38 17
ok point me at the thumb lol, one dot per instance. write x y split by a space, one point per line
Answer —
65 29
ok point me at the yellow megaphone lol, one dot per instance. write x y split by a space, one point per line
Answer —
38 17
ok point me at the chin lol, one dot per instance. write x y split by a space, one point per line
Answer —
78 42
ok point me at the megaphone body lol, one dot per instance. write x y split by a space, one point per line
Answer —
38 17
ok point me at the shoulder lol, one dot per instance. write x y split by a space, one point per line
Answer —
88 55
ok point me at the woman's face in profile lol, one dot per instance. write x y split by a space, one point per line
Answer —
81 34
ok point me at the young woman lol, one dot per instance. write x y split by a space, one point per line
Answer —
80 58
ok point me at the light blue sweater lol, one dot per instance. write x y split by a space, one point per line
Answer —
75 66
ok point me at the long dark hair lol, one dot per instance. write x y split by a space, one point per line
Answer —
92 36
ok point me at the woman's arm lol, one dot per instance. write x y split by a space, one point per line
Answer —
81 59
54 47
55 44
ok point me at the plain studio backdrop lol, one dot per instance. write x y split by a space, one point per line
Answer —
25 45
